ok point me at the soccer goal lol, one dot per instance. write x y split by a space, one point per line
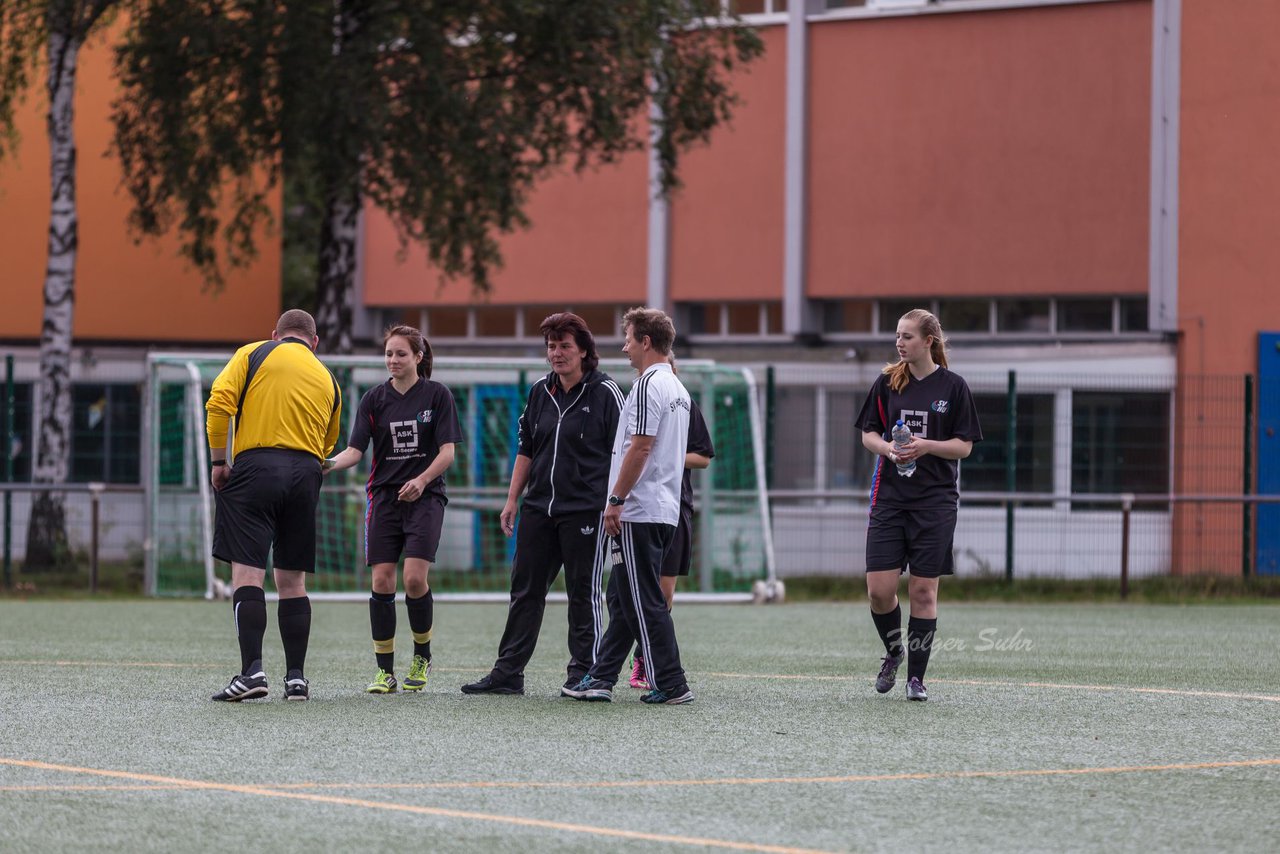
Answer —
733 548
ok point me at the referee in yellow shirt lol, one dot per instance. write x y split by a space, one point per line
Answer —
287 407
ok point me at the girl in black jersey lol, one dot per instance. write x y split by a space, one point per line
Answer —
413 424
913 516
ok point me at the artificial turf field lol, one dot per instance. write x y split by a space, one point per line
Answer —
1097 727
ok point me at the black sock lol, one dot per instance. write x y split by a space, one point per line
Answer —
919 642
420 619
382 620
889 625
294 617
250 605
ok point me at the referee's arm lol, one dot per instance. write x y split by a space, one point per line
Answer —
335 422
224 397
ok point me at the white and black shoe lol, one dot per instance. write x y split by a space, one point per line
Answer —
296 687
243 688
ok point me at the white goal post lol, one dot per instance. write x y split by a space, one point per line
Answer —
733 543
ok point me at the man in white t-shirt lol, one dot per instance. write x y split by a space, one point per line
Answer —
641 517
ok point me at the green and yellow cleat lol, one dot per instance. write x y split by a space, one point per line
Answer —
383 683
419 672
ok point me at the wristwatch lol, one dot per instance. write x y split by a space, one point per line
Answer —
615 501
216 463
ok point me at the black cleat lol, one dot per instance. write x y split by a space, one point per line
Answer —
889 672
488 685
296 687
916 690
243 688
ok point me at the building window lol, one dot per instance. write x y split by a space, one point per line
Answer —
1133 314
1022 315
984 470
447 323
773 318
744 318
1119 442
105 433
495 321
965 315
891 311
1085 315
19 446
847 315
757 7
602 320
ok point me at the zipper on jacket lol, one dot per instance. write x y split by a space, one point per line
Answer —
555 439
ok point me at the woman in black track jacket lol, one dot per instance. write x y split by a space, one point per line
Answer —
562 470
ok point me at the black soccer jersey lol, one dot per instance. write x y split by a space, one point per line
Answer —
938 407
699 443
407 431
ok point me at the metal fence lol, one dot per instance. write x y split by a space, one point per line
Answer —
1080 475
1044 495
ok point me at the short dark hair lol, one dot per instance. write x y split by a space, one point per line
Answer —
417 343
296 320
654 323
565 323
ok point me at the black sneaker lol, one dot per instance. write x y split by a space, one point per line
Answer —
678 697
488 685
595 690
243 688
889 672
296 687
916 690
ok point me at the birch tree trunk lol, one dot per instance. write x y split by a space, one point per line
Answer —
47 545
335 286
335 297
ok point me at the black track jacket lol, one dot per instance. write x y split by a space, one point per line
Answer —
569 440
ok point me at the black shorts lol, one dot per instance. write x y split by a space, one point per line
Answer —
268 509
680 553
393 527
918 540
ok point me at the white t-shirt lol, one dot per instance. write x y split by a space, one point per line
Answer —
658 406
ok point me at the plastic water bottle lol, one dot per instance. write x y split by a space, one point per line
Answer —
901 436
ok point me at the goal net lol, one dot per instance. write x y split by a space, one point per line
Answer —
732 544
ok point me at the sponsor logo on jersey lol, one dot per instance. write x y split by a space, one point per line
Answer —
404 435
586 409
681 402
940 406
588 531
425 415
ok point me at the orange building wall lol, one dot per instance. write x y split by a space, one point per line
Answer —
124 292
987 153
1229 181
586 244
727 221
1229 177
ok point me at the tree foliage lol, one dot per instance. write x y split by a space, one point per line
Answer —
443 113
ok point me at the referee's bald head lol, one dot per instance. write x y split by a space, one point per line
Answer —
296 320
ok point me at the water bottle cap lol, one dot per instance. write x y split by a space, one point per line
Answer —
899 424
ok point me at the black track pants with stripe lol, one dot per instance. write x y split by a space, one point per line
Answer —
638 610
543 544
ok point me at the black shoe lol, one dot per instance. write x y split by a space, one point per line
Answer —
888 675
678 697
243 688
488 685
296 687
592 690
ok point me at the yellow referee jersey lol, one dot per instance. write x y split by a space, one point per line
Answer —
292 402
